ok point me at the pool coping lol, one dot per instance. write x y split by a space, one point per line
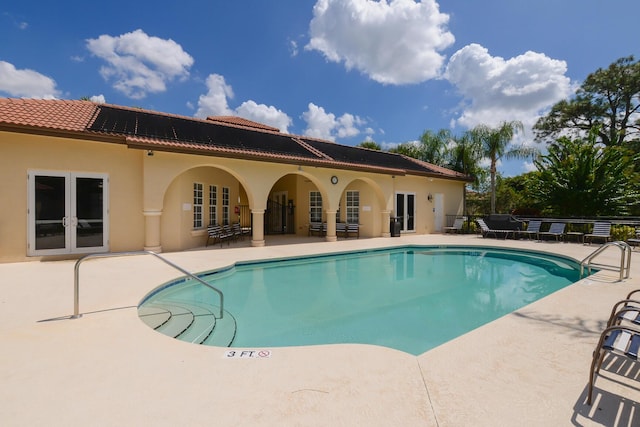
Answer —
108 368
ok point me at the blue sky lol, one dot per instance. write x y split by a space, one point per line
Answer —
343 70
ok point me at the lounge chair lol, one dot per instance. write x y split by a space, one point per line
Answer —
620 337
556 230
619 340
456 227
533 228
601 230
635 242
626 310
486 231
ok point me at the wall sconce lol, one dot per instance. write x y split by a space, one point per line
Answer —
430 197
149 153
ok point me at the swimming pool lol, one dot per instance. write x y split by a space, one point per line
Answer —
411 298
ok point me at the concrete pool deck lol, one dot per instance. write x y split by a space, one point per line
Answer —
529 368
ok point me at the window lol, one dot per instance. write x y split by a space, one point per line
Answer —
213 205
197 205
225 205
353 207
315 206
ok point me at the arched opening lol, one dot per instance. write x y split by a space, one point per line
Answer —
199 197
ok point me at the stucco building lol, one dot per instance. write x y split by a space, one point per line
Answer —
80 177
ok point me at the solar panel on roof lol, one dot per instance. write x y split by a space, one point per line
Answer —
348 154
140 123
179 129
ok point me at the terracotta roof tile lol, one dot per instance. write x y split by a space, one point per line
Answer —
49 114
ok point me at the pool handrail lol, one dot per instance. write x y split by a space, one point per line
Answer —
625 260
76 279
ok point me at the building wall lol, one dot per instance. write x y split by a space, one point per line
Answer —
151 197
21 153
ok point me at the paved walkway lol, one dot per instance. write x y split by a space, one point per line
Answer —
529 368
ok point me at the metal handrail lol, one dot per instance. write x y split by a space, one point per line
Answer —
76 281
624 270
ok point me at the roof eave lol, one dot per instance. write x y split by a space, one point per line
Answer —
62 133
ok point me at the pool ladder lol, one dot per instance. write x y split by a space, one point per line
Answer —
76 281
625 260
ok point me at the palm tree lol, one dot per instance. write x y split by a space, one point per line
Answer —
495 146
464 156
434 147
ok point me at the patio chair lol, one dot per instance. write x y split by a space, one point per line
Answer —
556 230
486 231
601 230
353 229
215 234
618 340
227 234
456 227
635 242
533 228
315 228
237 231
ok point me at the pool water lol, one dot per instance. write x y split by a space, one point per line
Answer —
411 299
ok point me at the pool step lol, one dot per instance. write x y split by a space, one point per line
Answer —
154 316
224 331
181 319
189 321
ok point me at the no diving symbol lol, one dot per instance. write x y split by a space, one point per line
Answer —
247 354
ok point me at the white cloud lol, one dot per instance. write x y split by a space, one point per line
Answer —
139 64
393 42
26 83
264 114
495 89
321 124
98 99
215 103
293 48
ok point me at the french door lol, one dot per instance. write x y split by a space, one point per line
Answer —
406 211
67 213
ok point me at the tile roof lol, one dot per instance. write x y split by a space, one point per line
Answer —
223 136
48 114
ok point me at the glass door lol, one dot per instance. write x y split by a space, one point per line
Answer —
405 211
67 213
89 213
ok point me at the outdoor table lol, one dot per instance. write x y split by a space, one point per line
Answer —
576 235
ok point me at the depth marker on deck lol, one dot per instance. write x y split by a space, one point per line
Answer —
247 354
